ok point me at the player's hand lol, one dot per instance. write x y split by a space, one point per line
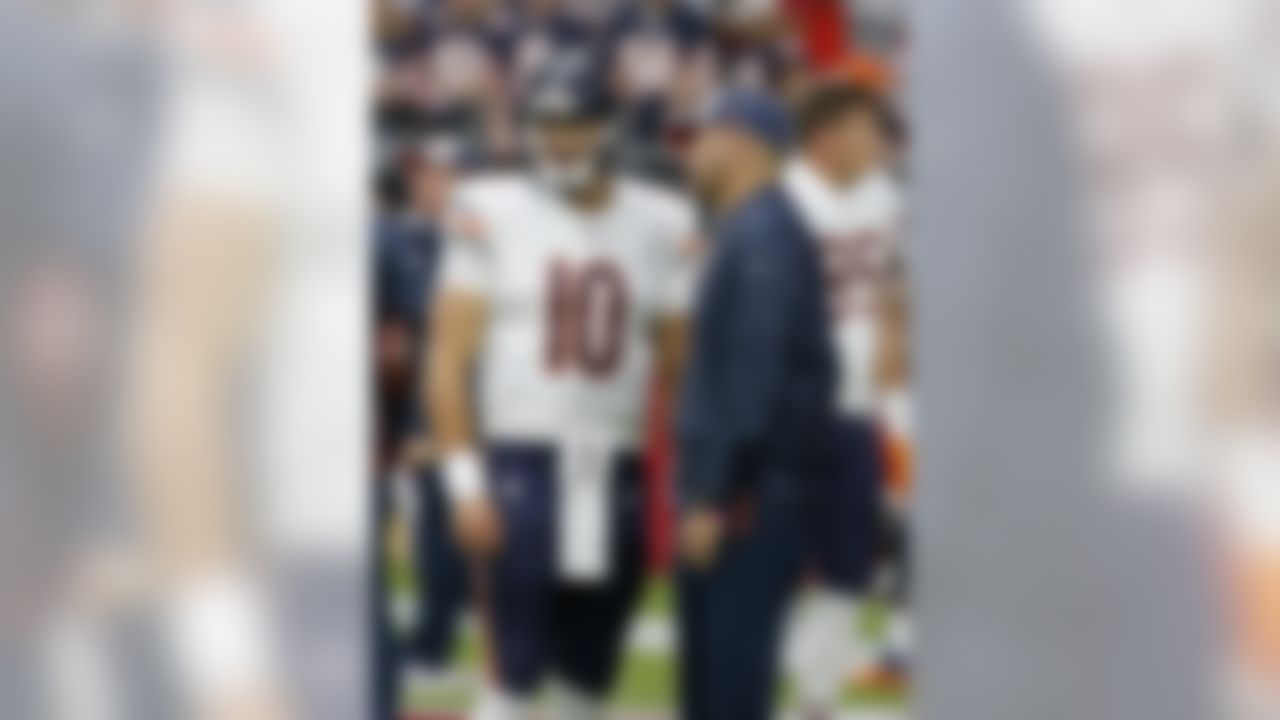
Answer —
477 528
701 533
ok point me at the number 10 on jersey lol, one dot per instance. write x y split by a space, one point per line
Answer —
586 318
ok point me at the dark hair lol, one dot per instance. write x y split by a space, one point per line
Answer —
830 102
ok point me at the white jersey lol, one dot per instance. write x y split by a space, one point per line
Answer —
858 229
573 298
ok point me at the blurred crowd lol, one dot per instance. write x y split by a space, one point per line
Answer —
454 70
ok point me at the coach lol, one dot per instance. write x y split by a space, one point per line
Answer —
755 416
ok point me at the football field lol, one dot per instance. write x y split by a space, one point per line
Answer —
646 689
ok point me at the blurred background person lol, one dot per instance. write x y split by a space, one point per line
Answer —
80 104
452 59
759 46
660 55
143 437
545 30
416 621
1090 445
852 206
208 222
245 426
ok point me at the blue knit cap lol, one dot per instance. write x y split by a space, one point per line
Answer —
755 112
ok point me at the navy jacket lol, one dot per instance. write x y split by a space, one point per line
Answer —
758 396
405 260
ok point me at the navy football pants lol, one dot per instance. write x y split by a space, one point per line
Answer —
536 623
384 651
442 594
845 515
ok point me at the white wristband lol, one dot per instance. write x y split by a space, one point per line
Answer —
896 412
463 475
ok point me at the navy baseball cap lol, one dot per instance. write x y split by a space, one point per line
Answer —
755 112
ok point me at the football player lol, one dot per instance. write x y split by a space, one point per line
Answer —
852 205
563 289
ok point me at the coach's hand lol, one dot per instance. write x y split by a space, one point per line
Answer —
477 526
701 532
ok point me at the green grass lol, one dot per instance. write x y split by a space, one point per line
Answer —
647 680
